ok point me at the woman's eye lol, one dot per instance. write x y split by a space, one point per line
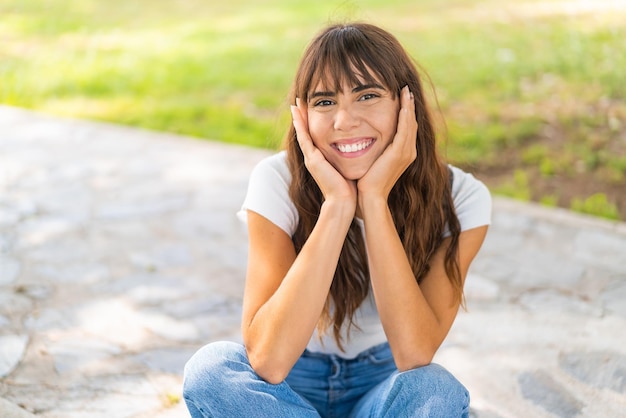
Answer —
323 102
368 96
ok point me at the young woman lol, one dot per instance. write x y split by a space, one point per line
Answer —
360 238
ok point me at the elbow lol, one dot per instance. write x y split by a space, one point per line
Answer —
412 359
413 363
268 367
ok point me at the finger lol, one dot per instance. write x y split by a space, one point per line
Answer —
303 111
407 125
411 107
302 135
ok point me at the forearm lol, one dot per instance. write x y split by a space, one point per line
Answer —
281 328
411 326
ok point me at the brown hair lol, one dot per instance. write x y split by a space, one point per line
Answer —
420 202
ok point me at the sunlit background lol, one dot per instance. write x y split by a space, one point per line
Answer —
533 92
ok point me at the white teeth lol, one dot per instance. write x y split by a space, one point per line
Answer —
346 148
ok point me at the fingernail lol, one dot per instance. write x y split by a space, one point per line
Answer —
408 92
297 101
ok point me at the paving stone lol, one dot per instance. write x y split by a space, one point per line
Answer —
5 243
483 414
55 202
555 301
167 255
12 302
74 354
598 369
478 287
541 388
9 270
544 269
18 206
66 251
614 297
43 229
171 411
168 327
149 288
48 319
196 224
167 360
511 223
39 291
75 273
602 248
214 304
12 349
212 327
8 217
126 231
11 410
114 320
104 405
122 211
500 241
151 294
499 268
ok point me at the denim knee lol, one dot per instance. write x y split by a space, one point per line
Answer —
219 381
208 365
438 376
435 382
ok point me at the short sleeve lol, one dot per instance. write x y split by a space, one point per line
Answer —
268 193
472 200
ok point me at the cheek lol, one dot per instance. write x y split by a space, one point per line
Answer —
387 122
390 128
317 130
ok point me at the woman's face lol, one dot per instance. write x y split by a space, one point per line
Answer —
352 127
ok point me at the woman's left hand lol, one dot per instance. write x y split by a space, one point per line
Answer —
399 154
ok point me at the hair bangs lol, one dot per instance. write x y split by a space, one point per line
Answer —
346 57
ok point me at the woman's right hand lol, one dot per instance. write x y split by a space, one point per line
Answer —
332 184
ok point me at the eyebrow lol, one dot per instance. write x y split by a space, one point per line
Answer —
357 89
366 87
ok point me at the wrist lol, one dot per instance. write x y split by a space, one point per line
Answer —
341 209
372 205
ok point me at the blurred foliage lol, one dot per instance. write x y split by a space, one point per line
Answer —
596 204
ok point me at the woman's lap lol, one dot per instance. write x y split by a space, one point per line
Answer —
219 378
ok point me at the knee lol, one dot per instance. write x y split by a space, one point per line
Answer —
433 382
208 365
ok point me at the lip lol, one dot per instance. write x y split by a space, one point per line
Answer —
353 147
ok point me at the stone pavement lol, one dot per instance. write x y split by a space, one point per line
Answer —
120 255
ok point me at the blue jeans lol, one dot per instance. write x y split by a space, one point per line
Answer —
219 382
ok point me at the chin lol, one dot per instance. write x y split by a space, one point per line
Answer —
353 174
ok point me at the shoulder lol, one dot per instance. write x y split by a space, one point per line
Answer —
268 193
472 199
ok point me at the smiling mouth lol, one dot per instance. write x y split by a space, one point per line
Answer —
355 147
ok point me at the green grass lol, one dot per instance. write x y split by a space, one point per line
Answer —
507 75
596 204
517 188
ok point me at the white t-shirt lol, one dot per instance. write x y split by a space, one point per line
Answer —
268 195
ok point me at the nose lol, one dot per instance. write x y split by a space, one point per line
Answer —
345 118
